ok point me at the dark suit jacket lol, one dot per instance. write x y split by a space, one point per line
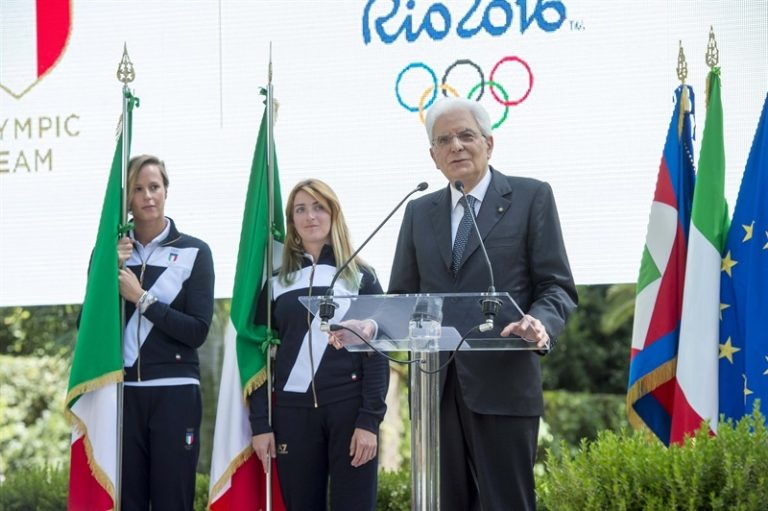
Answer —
520 227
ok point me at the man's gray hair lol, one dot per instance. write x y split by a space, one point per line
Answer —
450 104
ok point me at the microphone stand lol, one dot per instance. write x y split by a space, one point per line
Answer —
326 306
490 305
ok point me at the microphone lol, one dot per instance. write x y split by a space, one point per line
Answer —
490 305
327 307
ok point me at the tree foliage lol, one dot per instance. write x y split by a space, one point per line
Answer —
44 330
592 354
33 431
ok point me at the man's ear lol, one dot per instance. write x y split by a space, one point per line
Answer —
432 155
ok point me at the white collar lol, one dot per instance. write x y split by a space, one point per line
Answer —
159 238
478 192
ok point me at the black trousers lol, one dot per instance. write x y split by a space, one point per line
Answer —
161 432
486 461
312 447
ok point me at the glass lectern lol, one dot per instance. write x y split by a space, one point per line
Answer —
425 325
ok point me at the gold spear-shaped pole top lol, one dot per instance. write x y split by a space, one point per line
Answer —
682 65
712 56
125 71
682 74
269 71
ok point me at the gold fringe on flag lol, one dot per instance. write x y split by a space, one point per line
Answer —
258 379
98 473
645 386
236 463
90 386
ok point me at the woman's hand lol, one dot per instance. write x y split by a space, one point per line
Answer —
130 289
124 250
264 448
363 447
365 328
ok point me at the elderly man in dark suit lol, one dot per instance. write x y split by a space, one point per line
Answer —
491 401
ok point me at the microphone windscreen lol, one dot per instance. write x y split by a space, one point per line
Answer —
422 186
458 185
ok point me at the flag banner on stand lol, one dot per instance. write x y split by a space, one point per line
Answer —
237 478
744 289
97 364
696 390
658 304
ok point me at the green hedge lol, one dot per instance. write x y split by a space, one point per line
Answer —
45 489
632 471
35 488
394 491
626 471
571 417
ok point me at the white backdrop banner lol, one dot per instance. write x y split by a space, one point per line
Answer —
580 91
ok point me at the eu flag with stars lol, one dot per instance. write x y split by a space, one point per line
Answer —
744 289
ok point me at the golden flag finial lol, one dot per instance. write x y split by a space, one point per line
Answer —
712 56
125 71
685 101
269 72
682 65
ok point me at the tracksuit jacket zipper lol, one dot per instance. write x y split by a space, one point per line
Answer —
309 332
138 309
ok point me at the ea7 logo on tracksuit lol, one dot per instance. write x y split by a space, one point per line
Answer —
34 37
282 448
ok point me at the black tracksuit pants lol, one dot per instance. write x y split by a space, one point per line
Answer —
312 446
161 431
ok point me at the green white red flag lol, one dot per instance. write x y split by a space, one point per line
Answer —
696 394
97 364
237 477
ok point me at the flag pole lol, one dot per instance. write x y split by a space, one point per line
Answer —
682 74
270 255
126 74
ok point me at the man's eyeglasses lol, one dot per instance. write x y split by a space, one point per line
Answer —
465 137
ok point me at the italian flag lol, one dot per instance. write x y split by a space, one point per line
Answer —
97 364
238 481
696 394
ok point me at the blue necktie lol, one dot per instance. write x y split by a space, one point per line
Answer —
462 234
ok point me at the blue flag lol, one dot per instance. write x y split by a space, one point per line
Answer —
744 289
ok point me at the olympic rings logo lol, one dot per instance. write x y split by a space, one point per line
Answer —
480 87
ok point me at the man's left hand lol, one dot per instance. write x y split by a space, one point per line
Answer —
530 329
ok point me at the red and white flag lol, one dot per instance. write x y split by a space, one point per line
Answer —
33 35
